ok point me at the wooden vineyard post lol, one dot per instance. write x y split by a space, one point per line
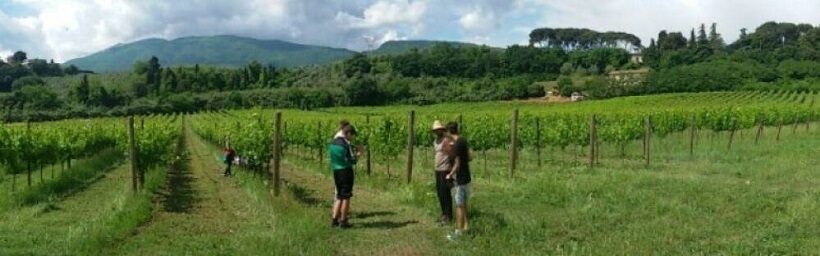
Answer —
319 138
796 122
367 146
132 154
28 158
731 133
461 126
322 145
513 142
759 131
410 143
277 148
142 122
779 128
282 151
647 138
537 141
692 125
592 141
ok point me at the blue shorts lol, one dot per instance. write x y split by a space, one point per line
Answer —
462 194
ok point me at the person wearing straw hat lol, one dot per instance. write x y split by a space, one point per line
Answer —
443 164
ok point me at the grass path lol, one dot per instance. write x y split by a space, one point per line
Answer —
200 212
381 225
55 229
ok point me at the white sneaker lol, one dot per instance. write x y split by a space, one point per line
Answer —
454 236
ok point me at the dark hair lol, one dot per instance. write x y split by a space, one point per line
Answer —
349 129
452 127
343 123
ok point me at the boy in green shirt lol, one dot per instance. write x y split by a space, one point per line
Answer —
342 159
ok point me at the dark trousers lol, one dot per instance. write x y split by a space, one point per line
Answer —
228 169
445 199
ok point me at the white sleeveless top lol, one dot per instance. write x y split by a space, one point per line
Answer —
443 161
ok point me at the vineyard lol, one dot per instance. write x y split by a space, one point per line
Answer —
618 122
643 174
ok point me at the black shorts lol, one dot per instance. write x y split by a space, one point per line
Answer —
344 183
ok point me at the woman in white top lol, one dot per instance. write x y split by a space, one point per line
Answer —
443 163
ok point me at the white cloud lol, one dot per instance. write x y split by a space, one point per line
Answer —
646 18
384 13
67 29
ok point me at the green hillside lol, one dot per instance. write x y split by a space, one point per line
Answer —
226 51
400 47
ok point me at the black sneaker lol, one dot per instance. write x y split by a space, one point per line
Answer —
335 223
344 224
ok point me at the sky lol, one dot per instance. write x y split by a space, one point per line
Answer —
67 29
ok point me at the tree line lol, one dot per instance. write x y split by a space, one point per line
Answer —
775 55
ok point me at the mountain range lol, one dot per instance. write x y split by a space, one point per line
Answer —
230 51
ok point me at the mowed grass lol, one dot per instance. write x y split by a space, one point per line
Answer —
750 199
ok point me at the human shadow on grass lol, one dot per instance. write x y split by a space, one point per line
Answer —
179 196
384 224
365 215
304 195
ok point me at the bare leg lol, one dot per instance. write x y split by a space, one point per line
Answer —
336 209
465 224
460 217
344 209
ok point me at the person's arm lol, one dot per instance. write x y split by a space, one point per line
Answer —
456 163
350 157
454 149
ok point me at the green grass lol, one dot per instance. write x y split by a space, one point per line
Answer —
752 199
71 180
202 213
75 226
50 183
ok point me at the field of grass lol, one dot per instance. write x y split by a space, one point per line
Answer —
753 198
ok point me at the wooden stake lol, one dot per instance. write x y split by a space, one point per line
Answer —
759 131
277 148
319 138
367 146
796 122
592 141
647 139
28 158
411 140
731 133
692 125
132 154
513 142
538 141
779 128
461 126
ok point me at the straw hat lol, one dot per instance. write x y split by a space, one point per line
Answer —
438 126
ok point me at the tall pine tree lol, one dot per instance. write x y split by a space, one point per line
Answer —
692 44
716 43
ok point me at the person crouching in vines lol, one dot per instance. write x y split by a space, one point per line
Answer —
229 155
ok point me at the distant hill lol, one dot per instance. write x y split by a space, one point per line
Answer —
226 51
400 47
